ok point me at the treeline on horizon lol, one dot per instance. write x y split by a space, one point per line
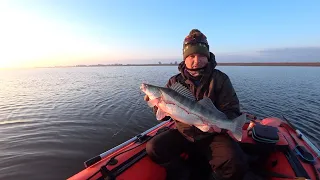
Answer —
311 64
218 64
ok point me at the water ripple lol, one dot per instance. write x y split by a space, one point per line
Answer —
52 120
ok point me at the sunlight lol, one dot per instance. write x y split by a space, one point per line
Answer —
29 41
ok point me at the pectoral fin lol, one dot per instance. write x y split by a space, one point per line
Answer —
153 102
160 114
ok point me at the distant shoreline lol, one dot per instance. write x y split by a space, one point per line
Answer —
315 64
309 64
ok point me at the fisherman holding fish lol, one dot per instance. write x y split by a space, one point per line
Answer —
204 105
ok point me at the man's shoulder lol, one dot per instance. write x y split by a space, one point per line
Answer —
175 77
218 74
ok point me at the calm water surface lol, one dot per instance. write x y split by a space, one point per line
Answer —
52 120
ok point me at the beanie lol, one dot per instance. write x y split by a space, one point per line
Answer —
195 43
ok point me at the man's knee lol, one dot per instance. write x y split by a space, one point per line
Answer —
154 149
228 161
165 146
150 146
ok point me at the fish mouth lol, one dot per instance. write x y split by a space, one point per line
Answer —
143 87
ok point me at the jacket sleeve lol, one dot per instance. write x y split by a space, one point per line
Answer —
227 100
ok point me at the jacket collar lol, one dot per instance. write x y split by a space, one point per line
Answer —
207 71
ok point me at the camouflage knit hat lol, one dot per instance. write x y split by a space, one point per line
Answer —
195 42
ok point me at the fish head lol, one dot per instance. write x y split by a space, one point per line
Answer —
153 92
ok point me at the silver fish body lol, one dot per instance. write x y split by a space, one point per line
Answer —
179 103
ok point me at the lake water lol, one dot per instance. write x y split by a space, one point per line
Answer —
52 120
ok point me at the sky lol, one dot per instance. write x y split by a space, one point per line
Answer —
60 33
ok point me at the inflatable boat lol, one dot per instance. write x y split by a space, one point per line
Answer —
277 149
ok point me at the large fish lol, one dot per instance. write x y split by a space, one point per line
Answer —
179 103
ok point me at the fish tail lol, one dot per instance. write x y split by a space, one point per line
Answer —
238 124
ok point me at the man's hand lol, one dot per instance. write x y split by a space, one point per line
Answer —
214 129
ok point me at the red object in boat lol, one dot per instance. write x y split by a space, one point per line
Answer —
129 160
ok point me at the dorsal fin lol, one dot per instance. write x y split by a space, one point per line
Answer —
208 104
179 88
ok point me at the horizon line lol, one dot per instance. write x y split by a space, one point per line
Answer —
218 64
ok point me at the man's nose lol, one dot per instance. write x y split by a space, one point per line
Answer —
196 59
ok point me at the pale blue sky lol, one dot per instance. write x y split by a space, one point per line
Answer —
137 31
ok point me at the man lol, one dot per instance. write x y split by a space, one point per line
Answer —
198 74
